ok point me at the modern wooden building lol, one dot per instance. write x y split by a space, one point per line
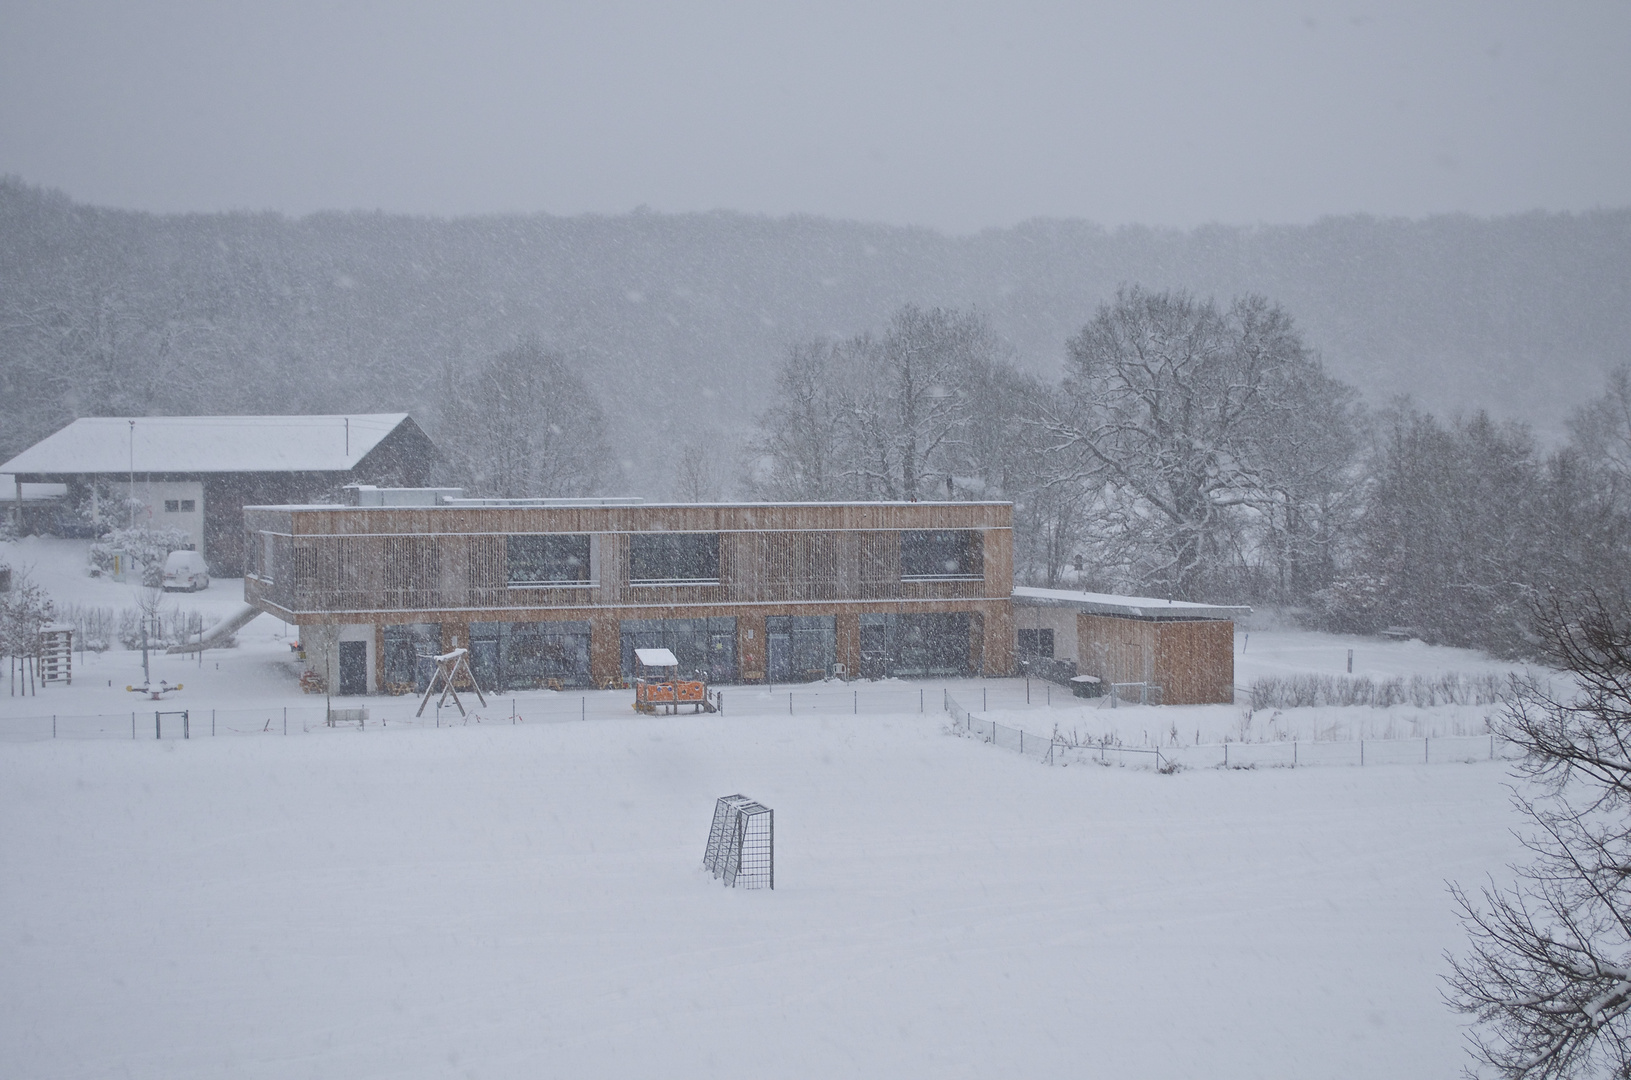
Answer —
561 592
195 474
1185 649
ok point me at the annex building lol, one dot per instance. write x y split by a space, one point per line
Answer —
1183 651
561 592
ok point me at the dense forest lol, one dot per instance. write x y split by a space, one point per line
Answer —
675 323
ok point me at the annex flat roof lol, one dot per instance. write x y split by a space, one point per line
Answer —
207 444
1136 607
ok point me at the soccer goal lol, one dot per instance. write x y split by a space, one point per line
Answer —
742 843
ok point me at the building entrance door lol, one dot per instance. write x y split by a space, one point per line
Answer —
353 667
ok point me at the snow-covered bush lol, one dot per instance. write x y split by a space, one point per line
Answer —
1421 691
94 627
148 547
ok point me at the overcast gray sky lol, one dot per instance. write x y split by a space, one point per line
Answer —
958 115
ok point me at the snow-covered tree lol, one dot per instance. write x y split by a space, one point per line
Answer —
1198 420
523 424
1548 974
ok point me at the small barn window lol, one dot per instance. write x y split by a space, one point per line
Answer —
550 559
941 554
171 506
188 506
656 558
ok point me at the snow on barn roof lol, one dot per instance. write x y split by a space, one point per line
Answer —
207 444
1137 607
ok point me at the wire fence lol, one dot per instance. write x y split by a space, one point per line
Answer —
168 721
176 719
1009 738
1286 754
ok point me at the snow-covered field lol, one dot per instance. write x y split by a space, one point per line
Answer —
525 900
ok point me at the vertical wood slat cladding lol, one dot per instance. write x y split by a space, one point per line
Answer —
412 569
402 559
1193 661
880 565
1199 658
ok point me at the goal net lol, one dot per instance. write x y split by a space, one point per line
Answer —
742 843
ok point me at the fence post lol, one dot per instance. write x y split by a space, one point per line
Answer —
1361 753
1022 740
985 703
53 725
789 703
1424 758
285 719
920 699
1226 754
1293 753
1492 747
855 708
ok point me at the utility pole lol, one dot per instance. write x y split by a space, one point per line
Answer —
130 499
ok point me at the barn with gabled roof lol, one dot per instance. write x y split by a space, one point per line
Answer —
197 473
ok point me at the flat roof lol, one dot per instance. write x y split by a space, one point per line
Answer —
1135 607
609 502
207 444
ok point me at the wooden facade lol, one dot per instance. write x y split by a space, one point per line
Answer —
1185 649
450 566
1193 661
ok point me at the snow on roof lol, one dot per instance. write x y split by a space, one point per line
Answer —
207 444
1138 607
656 657
31 492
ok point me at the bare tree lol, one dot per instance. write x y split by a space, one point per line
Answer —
894 417
524 425
801 450
705 466
1548 977
1192 413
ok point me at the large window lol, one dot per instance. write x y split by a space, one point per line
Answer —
941 555
509 656
916 645
705 648
800 647
410 652
551 559
673 558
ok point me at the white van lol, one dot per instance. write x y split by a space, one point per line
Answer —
186 570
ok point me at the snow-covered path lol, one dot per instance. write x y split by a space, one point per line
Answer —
526 902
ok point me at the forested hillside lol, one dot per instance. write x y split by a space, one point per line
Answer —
677 323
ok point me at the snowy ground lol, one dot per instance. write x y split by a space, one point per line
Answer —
526 901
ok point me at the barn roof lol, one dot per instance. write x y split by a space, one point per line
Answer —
207 444
1137 607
